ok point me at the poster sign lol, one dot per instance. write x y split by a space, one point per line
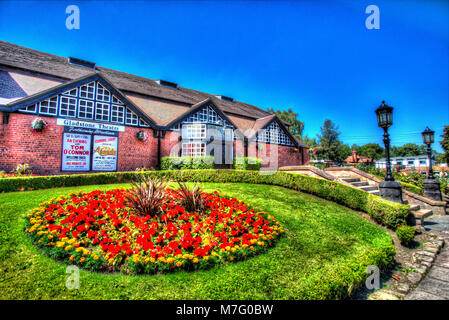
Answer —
104 153
76 152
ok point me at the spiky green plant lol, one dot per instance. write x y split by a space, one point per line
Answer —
193 200
147 195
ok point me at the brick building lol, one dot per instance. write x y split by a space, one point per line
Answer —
98 119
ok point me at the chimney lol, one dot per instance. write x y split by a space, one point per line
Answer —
354 156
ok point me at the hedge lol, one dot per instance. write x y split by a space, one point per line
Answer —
247 163
384 212
185 163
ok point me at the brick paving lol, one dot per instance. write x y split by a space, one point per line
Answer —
435 285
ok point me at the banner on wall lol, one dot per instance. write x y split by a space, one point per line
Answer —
104 156
76 152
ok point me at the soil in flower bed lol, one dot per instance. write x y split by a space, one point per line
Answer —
100 230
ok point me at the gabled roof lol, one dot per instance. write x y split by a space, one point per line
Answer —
53 91
160 106
32 60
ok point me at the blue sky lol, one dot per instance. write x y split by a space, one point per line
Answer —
316 57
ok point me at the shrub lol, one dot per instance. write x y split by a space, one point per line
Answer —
247 163
405 234
384 212
185 163
147 195
193 200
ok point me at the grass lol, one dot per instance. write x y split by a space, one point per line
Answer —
319 237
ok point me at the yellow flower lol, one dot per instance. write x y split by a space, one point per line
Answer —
170 260
195 260
68 248
50 236
71 258
214 253
206 257
82 259
79 249
231 258
179 263
60 244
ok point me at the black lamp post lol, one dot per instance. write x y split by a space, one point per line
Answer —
389 189
431 185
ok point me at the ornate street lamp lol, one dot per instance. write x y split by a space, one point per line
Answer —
389 189
431 185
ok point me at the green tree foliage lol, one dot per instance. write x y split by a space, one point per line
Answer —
372 151
445 144
296 127
311 142
408 150
329 138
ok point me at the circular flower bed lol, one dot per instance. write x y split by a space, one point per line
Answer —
100 231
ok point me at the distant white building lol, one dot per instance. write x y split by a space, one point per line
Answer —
408 162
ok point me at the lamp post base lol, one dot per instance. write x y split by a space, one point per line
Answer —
432 189
391 191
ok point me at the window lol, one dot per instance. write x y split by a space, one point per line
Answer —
131 118
274 134
143 123
422 162
117 113
194 149
205 115
67 107
87 91
86 109
72 92
115 100
49 106
102 111
32 108
194 131
102 93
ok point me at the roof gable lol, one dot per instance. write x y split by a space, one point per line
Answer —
70 85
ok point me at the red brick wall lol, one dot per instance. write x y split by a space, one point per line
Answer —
275 156
42 151
134 153
18 144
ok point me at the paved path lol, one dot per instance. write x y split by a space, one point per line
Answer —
436 284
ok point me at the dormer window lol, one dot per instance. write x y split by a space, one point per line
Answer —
167 84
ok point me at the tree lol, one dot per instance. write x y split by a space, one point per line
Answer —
408 150
296 127
372 151
445 144
328 138
311 142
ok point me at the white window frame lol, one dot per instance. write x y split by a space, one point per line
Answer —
85 92
99 111
68 107
70 92
52 100
196 148
194 131
117 112
92 107
102 93
131 118
29 110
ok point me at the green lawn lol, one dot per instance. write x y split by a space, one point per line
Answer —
319 237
